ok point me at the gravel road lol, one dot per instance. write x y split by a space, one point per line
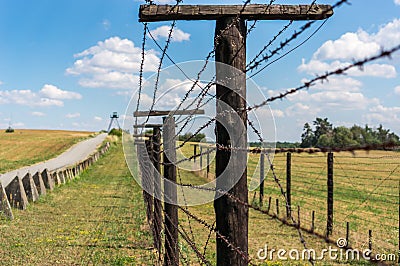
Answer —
76 153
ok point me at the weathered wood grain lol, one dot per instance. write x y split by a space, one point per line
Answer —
150 13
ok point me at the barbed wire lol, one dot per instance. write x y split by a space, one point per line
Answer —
294 36
244 255
141 69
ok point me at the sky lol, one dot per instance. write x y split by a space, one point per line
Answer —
70 64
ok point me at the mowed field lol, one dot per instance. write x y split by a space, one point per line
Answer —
27 147
99 218
366 195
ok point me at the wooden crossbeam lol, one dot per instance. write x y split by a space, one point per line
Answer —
166 113
150 13
147 125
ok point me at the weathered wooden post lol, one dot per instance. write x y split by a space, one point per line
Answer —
156 193
262 176
171 256
289 185
157 188
170 193
230 49
329 220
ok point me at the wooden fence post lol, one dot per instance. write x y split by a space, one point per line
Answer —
329 223
171 257
156 138
312 221
194 152
262 176
208 161
347 233
201 158
269 204
145 168
370 240
277 208
289 184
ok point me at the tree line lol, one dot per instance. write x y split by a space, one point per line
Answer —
323 134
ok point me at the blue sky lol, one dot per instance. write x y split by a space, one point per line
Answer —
70 64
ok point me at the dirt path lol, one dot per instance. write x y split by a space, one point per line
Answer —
97 219
76 153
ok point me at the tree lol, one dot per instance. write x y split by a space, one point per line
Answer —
322 126
197 138
325 141
343 137
307 137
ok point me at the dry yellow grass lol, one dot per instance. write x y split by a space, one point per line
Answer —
27 147
366 194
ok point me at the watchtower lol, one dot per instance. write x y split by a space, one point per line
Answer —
114 118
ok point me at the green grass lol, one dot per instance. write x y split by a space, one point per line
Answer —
96 219
27 147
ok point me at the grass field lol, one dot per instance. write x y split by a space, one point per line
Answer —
366 194
27 147
96 219
99 218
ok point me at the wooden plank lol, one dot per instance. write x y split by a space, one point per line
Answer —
147 126
166 113
151 13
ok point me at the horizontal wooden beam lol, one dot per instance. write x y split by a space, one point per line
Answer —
147 125
150 13
166 113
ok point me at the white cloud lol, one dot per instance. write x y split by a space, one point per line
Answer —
113 63
177 34
98 118
1 83
38 114
28 98
360 44
372 70
397 2
332 99
52 92
73 115
397 89
380 114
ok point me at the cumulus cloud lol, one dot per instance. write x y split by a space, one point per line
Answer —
28 98
382 114
98 118
397 2
371 70
1 83
113 63
73 115
49 95
397 89
38 114
177 34
360 44
51 91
